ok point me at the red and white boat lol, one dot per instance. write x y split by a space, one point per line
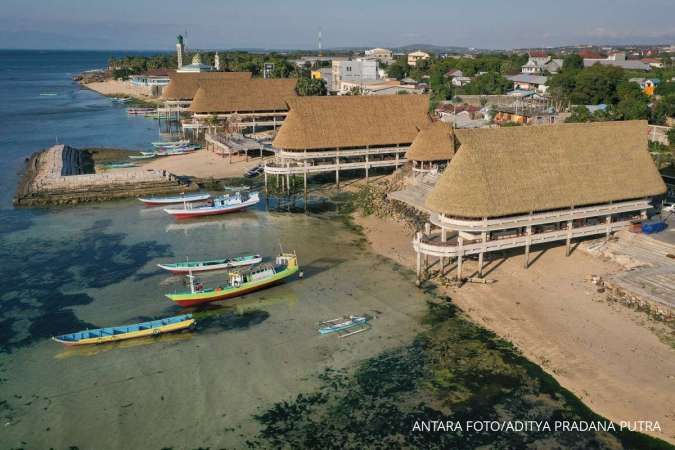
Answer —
156 201
219 205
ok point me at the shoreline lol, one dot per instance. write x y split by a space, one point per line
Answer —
606 354
114 88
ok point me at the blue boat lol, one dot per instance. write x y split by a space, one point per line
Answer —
349 324
111 334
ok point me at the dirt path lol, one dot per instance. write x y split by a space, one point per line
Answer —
606 354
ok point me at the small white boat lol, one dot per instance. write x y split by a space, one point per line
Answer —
213 264
220 205
150 156
198 197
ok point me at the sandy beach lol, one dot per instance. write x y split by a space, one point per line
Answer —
204 164
117 87
607 354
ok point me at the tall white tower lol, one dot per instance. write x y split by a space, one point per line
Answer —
320 44
180 49
217 61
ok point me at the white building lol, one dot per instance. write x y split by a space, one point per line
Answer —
527 82
355 71
417 56
618 59
379 54
196 67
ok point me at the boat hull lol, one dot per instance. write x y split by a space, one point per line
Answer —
206 268
169 328
198 298
174 200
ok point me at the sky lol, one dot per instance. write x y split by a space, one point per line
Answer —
295 24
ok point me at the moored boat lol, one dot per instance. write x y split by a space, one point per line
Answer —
240 282
220 205
214 264
342 323
170 143
139 111
118 165
197 197
138 157
111 334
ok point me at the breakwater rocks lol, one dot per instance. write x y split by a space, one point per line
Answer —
58 176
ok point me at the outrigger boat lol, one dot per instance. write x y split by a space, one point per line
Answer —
139 111
344 326
118 165
220 205
170 143
240 282
214 264
154 201
137 157
111 334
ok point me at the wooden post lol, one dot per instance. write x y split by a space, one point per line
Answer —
419 259
427 232
444 239
608 221
367 163
483 238
460 252
337 168
528 239
569 238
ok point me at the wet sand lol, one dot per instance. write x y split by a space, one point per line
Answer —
606 354
200 388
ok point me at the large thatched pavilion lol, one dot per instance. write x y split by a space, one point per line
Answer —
251 103
182 88
432 149
333 134
517 187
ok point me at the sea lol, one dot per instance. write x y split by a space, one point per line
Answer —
254 373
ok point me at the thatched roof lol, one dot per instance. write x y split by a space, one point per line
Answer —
352 121
507 171
435 142
243 96
183 86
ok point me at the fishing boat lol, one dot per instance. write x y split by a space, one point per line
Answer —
344 326
240 282
111 334
213 264
139 111
170 143
196 197
138 157
254 171
121 99
220 205
118 165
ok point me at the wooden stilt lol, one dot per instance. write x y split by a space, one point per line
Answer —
444 239
481 255
568 241
419 260
608 221
460 253
528 240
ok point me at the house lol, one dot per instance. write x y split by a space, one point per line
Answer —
618 59
432 149
352 71
152 77
541 63
380 54
653 62
529 82
452 73
517 187
460 81
338 133
417 56
325 74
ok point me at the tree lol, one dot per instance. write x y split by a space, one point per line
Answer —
491 83
311 86
573 62
671 137
597 84
397 70
664 108
633 102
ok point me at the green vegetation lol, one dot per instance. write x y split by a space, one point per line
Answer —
455 371
311 86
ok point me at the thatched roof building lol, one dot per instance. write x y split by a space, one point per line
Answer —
252 95
508 171
183 86
435 142
352 121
